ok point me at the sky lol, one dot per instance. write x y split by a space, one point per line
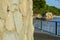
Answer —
55 3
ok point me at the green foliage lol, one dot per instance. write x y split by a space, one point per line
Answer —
53 9
40 6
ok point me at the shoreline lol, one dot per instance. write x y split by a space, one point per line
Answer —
56 16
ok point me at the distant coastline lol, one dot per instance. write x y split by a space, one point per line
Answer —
56 16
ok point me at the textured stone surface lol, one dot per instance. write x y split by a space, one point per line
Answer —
10 22
10 36
1 25
16 20
3 9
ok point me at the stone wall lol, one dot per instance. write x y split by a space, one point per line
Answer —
16 20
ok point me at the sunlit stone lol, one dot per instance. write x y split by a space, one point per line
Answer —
10 36
49 16
16 21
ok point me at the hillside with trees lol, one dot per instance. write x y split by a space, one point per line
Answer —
40 6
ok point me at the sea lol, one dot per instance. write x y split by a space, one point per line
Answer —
52 26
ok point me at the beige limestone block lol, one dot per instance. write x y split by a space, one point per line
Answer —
18 21
18 25
28 19
30 30
10 26
23 7
30 27
3 9
22 34
1 35
1 25
1 28
13 5
10 36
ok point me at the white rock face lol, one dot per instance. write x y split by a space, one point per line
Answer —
17 22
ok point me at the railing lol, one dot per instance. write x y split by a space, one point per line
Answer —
52 27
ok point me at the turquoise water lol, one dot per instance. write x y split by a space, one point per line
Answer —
56 19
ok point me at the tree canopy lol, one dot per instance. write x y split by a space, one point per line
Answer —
40 6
